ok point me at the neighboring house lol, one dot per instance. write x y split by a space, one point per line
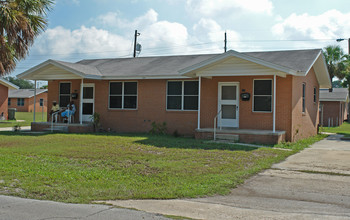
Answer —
262 97
333 106
23 100
5 86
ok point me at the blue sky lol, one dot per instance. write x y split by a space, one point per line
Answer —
87 29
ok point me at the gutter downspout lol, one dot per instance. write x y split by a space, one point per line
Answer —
274 104
199 102
34 100
81 101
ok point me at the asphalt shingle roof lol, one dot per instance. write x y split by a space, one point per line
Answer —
298 60
338 94
25 93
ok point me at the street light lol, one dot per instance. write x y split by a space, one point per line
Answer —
341 39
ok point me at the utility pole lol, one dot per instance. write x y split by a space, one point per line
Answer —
135 42
225 48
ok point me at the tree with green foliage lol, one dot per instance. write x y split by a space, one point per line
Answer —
21 21
21 83
334 56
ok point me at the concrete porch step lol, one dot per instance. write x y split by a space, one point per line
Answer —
57 128
229 137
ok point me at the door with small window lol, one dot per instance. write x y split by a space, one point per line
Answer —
228 105
88 101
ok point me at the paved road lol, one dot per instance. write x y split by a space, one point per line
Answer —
313 184
12 208
24 128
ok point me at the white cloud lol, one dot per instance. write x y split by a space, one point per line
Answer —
61 41
329 25
212 8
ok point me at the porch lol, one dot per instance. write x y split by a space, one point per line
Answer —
242 135
63 127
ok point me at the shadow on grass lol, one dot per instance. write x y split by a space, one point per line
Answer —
166 141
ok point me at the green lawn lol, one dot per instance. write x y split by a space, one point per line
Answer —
26 116
81 168
343 129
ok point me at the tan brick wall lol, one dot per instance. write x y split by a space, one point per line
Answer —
29 103
333 112
304 124
3 100
152 106
23 108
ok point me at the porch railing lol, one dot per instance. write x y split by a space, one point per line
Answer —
215 118
54 115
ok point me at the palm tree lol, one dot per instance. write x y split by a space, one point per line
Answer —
334 56
21 21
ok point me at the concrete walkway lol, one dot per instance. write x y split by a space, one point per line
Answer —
24 128
313 184
12 208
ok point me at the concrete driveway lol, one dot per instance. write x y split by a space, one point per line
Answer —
313 184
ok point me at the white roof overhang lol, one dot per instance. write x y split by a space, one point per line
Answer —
233 63
52 70
8 84
321 71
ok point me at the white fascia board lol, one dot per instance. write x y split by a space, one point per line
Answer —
27 74
215 59
8 84
281 74
145 77
333 100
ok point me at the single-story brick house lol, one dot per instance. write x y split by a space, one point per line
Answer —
333 106
258 96
23 100
5 86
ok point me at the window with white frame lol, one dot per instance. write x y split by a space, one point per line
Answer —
123 95
303 98
182 95
262 95
20 102
315 94
65 94
41 102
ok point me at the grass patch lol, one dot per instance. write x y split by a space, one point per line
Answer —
301 144
342 129
81 168
27 118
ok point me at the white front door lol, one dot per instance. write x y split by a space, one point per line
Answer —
88 101
228 104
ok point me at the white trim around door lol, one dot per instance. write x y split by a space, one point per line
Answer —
88 101
228 104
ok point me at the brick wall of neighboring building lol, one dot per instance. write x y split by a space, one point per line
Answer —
304 124
334 113
29 104
3 100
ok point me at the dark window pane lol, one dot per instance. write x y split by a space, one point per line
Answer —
88 108
174 102
130 102
228 111
9 101
115 102
174 88
130 88
88 92
262 87
191 87
64 88
115 88
229 93
64 100
191 103
41 102
262 103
